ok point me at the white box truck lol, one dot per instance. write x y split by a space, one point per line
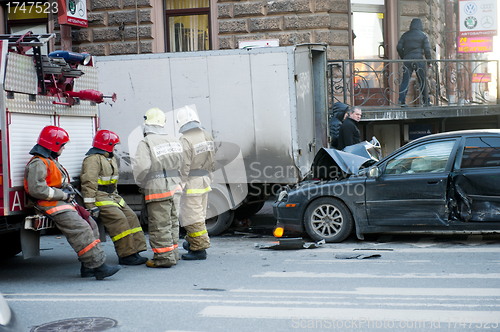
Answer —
266 108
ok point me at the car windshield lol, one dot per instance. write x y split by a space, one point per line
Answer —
429 157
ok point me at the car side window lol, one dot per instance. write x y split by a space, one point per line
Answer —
428 157
481 152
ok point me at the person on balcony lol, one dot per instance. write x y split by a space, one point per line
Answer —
414 44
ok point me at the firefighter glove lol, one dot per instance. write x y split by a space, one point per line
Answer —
69 193
94 212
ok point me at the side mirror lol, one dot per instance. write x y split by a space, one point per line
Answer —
374 172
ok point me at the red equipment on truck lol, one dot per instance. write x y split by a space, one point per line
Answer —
37 90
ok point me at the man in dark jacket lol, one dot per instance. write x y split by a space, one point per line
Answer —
349 132
414 44
339 113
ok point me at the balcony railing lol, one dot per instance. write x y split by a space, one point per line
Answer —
377 83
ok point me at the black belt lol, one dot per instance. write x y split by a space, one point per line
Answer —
107 189
198 172
168 173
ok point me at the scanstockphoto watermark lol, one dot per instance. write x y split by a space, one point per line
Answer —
363 323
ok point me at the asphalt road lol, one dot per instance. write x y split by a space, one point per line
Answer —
418 283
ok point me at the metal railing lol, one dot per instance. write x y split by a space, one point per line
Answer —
380 83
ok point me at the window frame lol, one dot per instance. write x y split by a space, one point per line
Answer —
449 162
187 12
458 164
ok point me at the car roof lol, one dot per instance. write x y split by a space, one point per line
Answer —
459 133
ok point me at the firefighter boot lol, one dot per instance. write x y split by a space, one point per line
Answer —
134 259
105 270
195 255
186 246
151 263
85 272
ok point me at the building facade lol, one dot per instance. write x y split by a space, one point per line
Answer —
364 32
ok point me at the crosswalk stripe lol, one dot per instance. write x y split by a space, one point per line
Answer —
444 317
302 274
479 292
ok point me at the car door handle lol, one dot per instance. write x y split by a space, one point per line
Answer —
433 182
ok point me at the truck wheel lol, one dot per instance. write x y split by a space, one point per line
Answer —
247 210
219 216
10 244
329 219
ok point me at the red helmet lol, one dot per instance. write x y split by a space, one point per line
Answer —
105 140
52 138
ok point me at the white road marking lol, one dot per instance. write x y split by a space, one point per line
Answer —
358 315
415 250
302 274
494 292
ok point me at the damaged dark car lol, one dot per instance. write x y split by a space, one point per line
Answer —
441 182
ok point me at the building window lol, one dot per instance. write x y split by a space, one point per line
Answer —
188 25
25 17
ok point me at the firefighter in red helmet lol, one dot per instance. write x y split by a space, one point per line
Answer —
47 185
99 179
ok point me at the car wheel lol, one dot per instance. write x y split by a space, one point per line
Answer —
329 219
219 216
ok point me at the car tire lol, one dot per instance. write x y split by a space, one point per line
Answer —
329 219
219 216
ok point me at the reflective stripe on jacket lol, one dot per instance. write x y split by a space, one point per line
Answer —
156 164
99 178
43 178
198 154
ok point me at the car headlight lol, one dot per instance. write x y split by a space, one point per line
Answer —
283 195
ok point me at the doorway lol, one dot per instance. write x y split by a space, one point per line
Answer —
369 45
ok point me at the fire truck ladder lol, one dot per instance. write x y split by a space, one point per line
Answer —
22 43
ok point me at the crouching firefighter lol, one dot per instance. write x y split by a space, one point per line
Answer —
47 184
156 169
198 164
99 179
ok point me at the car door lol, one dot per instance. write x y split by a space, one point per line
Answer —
477 173
411 188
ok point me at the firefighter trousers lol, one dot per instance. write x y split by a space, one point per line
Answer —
193 212
124 229
83 237
163 227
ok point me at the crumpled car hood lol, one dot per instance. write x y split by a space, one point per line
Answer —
332 164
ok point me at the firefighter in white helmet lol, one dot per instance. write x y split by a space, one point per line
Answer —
198 163
99 178
156 169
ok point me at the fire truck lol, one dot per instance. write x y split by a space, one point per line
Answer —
36 90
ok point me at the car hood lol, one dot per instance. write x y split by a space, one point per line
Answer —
333 164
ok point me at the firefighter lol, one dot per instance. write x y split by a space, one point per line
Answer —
198 163
47 184
156 170
99 179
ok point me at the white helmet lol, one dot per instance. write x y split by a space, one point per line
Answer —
187 114
154 116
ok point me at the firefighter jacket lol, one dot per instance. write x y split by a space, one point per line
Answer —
43 179
198 161
156 166
99 178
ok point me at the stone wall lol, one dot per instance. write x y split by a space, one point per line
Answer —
113 26
290 21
